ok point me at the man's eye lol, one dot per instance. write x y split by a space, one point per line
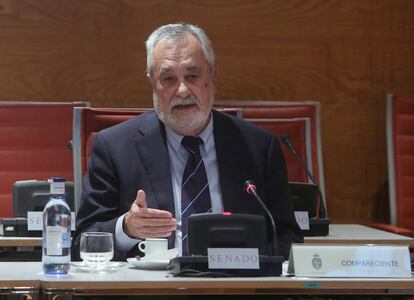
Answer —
167 79
192 77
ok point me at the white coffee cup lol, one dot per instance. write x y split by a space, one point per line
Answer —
154 245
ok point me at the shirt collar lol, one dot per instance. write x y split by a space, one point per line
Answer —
174 139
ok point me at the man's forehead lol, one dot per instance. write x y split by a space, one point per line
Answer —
186 54
174 49
191 67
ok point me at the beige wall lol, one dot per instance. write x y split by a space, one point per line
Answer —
345 54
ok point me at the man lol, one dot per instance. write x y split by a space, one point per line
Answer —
134 186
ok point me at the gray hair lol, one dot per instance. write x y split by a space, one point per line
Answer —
176 33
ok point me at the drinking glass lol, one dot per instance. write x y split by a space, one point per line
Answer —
96 248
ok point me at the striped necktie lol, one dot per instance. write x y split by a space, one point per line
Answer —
195 192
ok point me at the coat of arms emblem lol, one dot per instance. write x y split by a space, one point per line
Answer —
316 262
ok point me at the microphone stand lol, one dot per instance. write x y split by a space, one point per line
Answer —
321 221
251 189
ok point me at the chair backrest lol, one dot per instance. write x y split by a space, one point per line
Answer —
88 121
34 144
299 130
288 109
400 151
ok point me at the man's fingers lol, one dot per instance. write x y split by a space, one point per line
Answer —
152 213
141 199
151 222
152 227
158 235
145 212
144 222
156 231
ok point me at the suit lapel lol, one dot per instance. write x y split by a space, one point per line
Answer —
152 148
234 165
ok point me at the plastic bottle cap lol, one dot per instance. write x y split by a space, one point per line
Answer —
56 179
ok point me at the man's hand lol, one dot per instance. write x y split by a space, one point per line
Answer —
142 222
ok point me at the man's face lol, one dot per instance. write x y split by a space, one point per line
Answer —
183 86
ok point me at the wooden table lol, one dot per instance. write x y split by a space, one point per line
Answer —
359 234
20 241
20 279
128 280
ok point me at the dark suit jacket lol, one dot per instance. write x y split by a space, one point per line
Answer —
133 155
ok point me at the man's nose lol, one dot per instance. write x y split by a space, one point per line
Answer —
183 91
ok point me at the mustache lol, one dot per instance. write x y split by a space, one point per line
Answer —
189 100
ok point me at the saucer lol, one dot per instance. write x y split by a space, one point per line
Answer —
163 255
160 264
111 266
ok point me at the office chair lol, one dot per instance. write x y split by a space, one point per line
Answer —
287 110
400 157
34 144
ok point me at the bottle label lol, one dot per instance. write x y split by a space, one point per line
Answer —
57 188
66 240
54 241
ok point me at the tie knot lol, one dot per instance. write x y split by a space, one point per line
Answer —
192 144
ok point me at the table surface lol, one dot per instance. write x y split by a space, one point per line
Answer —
128 280
20 241
359 234
338 233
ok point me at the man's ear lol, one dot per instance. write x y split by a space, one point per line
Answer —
151 83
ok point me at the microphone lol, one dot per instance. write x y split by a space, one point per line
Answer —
321 211
251 190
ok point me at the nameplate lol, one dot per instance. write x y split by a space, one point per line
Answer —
316 260
35 220
302 218
233 258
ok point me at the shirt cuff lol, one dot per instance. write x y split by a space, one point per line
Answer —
122 241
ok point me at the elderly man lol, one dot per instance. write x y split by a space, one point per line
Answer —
148 174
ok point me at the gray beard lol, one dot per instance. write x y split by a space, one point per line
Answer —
186 126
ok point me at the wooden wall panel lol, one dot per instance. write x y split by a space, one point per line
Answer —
345 54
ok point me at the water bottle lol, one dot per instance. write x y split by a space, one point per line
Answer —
56 230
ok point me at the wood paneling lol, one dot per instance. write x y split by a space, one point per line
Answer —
345 54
